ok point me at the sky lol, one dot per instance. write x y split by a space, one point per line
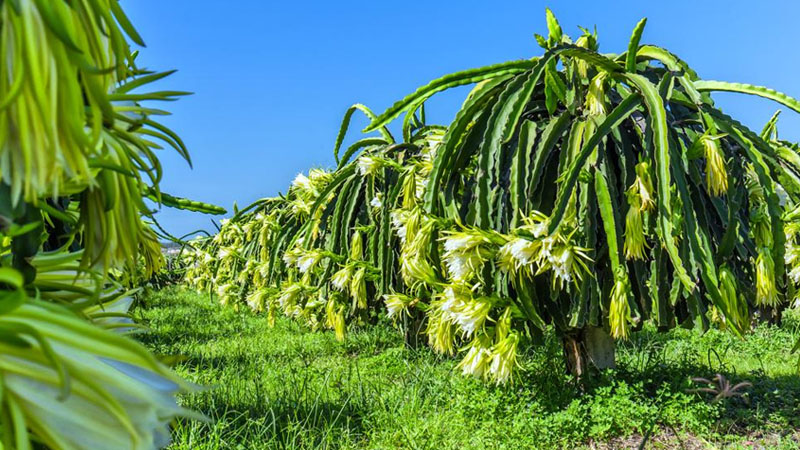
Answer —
272 79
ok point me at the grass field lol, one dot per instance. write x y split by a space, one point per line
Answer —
287 387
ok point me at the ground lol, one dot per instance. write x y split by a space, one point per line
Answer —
288 387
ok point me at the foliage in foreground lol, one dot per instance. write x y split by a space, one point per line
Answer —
575 189
78 162
285 387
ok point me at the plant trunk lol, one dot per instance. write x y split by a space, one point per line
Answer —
414 329
587 349
771 315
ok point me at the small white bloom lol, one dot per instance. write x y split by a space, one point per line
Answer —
504 358
472 315
522 250
396 303
452 302
458 266
319 176
795 275
307 261
399 218
289 296
377 201
477 360
341 279
461 242
367 165
301 182
290 258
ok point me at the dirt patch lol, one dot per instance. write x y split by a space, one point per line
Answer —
668 439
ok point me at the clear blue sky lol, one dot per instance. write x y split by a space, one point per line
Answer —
273 78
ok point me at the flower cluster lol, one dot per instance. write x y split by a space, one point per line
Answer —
305 190
533 251
465 253
415 231
761 231
397 304
640 202
619 314
716 173
493 356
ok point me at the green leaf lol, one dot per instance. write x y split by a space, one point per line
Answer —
134 83
660 130
447 82
11 277
463 121
519 170
607 213
599 61
780 97
516 105
550 136
125 23
346 124
770 127
614 119
633 46
554 28
183 203
499 123
15 297
355 147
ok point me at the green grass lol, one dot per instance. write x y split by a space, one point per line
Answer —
287 387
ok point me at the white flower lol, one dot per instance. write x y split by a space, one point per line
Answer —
472 315
504 358
367 165
547 247
399 218
289 296
222 290
263 269
539 229
290 256
458 266
377 201
464 253
452 301
462 242
301 182
307 261
522 250
562 264
319 176
477 360
257 299
795 275
421 185
341 279
301 206
396 303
